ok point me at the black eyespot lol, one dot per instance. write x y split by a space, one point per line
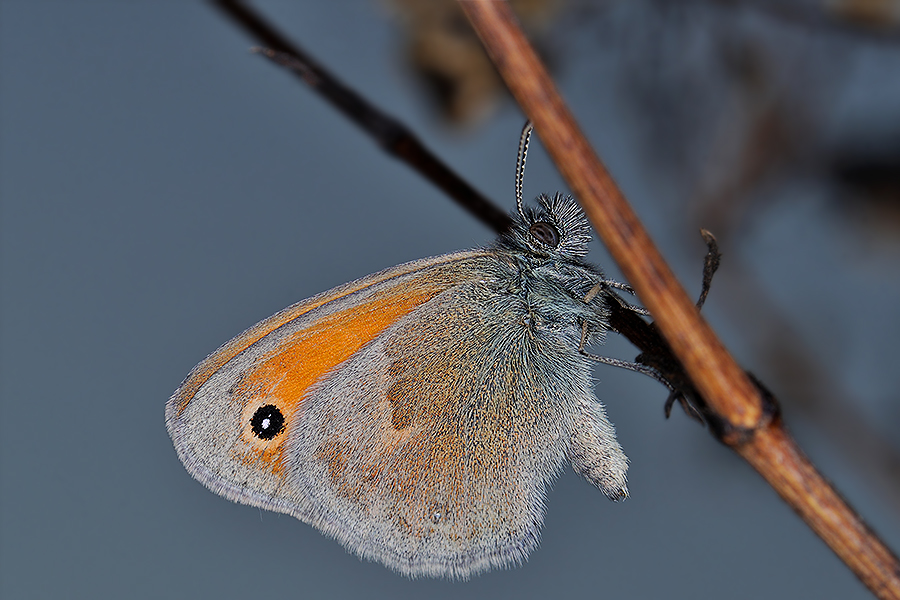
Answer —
545 233
267 422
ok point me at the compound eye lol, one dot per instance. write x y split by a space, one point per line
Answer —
545 233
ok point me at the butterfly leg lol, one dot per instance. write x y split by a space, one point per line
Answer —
622 364
606 284
674 394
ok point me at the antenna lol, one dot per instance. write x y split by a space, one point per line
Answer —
520 164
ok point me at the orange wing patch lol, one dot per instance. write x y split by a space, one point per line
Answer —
283 377
206 369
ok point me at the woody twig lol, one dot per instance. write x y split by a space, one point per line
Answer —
743 416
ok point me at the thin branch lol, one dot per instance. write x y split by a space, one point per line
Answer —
388 132
744 417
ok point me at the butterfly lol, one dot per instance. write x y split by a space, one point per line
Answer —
419 414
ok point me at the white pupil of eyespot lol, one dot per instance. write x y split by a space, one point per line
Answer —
265 423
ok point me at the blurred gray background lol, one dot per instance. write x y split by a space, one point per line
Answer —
162 188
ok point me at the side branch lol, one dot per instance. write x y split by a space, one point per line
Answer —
391 135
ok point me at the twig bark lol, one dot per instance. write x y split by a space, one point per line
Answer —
744 417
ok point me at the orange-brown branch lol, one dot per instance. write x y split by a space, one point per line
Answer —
744 420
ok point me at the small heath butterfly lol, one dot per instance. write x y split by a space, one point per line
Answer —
419 414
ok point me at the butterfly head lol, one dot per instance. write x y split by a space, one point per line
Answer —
556 229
